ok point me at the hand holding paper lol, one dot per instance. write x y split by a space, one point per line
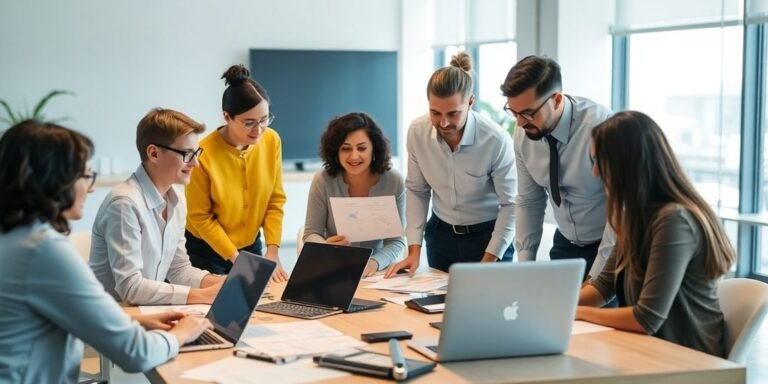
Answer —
366 218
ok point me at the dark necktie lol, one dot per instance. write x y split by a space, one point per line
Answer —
554 164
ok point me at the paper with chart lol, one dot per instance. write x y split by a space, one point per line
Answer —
366 218
300 338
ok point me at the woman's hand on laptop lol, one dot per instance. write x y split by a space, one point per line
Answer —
280 276
189 328
163 321
337 240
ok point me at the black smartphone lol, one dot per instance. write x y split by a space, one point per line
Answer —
377 337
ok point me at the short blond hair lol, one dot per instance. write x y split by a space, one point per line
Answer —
163 126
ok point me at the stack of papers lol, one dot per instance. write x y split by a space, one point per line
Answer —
235 370
421 283
300 338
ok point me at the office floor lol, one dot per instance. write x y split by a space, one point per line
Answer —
757 366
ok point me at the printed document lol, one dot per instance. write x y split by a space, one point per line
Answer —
366 218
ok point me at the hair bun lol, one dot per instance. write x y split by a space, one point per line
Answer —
236 74
462 60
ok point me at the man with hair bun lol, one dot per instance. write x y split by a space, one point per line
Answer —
464 162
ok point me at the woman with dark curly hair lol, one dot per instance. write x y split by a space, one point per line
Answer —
49 298
357 163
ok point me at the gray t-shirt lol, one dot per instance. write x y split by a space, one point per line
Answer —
319 223
674 301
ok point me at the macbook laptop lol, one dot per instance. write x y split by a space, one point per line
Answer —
507 309
233 305
323 283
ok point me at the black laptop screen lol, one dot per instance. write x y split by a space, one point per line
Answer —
239 295
327 274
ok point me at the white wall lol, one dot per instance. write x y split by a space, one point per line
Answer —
122 58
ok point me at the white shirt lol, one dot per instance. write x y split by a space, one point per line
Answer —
134 250
473 184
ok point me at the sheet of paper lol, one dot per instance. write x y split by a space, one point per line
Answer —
191 309
425 282
366 218
236 370
399 300
295 338
580 327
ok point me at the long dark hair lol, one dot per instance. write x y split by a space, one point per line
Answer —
338 130
642 174
41 162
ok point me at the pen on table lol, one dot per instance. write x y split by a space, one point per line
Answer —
399 369
263 357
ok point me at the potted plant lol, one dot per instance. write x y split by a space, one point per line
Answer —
13 117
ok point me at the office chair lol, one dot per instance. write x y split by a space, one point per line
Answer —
744 303
82 242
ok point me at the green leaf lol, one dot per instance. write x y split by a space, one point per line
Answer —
41 104
12 119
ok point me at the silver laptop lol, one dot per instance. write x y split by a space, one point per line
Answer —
507 309
233 305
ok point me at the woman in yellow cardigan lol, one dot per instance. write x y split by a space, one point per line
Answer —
238 187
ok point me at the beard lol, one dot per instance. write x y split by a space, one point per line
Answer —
536 135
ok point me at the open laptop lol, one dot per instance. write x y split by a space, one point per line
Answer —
323 283
233 305
507 309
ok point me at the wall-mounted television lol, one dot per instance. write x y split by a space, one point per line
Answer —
309 88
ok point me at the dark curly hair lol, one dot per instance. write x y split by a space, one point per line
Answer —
41 162
338 130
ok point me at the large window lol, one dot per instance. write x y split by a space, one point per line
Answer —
689 81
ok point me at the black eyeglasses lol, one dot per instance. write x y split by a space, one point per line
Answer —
186 156
527 115
91 178
263 123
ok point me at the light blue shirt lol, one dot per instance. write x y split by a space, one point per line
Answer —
581 214
474 184
320 225
134 250
49 301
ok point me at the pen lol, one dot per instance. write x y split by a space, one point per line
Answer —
399 369
263 357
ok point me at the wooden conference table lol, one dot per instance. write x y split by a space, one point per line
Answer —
602 357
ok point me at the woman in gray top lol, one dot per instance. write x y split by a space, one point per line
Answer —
670 248
357 163
49 298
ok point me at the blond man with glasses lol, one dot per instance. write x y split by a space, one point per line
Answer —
138 236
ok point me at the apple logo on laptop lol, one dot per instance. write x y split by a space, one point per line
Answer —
510 312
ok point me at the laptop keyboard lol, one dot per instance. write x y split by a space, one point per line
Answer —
357 307
207 338
293 309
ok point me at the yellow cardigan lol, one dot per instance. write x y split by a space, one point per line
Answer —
233 193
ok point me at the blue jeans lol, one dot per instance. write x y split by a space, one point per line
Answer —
445 246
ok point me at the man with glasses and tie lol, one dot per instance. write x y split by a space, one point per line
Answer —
138 238
558 166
